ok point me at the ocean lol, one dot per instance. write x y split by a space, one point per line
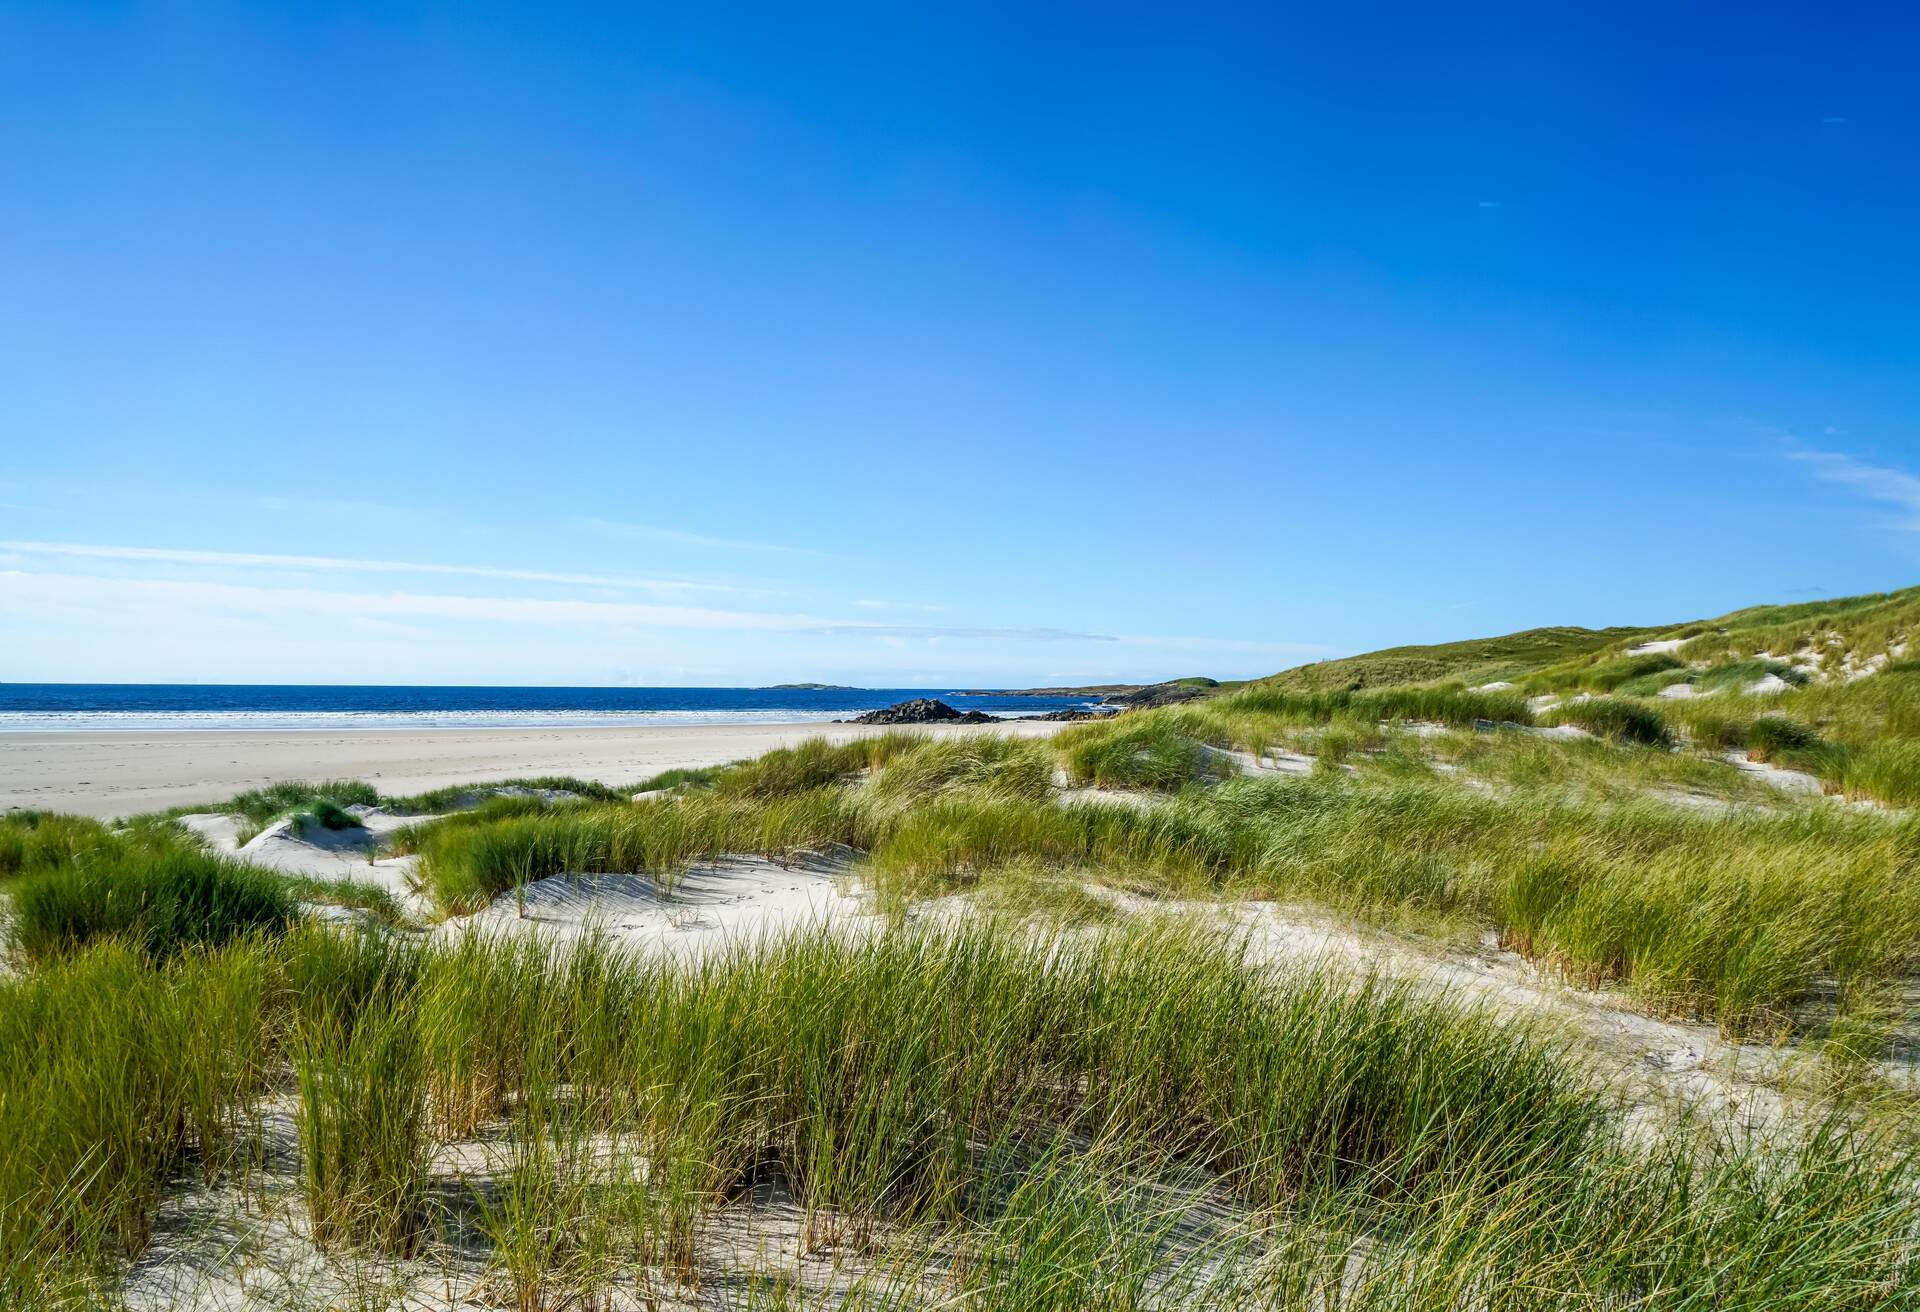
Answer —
97 707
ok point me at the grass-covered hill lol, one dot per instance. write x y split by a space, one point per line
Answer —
1477 660
1837 636
1830 688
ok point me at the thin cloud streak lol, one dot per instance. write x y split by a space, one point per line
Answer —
267 560
1232 645
310 601
683 538
1876 482
30 589
963 631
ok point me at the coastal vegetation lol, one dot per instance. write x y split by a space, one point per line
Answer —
1619 718
158 901
1016 1121
1064 1063
325 802
1478 660
1737 916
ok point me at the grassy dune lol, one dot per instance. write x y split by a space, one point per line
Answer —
1830 629
1003 1101
1736 916
1477 660
1068 1105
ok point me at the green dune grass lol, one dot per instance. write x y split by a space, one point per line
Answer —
161 902
1026 1104
1059 1103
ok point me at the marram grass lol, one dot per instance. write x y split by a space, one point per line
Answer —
1737 916
161 900
1013 1101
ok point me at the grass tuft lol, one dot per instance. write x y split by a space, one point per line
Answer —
262 806
362 1123
1772 736
1139 752
1616 718
324 814
42 840
162 903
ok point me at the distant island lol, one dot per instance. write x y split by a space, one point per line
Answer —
811 687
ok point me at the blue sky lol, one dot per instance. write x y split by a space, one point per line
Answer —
914 345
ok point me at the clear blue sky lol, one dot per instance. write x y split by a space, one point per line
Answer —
914 344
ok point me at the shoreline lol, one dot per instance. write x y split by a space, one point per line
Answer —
107 773
842 719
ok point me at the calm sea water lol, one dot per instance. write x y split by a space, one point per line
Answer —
78 707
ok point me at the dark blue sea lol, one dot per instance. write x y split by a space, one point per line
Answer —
56 707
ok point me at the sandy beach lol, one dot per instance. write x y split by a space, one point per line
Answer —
114 774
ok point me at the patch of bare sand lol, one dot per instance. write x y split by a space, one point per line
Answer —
227 1248
314 852
697 910
1273 762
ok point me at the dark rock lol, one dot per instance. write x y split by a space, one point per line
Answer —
923 710
1074 713
1155 694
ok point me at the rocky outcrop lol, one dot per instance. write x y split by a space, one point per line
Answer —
1074 714
923 710
1157 694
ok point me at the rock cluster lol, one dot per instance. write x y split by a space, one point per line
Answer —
1157 694
922 710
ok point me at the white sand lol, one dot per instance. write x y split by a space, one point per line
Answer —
706 907
1779 776
1651 648
113 774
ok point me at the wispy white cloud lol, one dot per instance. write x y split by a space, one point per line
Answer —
1876 482
267 560
184 599
681 537
963 631
1250 645
260 600
30 590
869 603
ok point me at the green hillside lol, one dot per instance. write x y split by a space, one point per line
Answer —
1833 636
1477 660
